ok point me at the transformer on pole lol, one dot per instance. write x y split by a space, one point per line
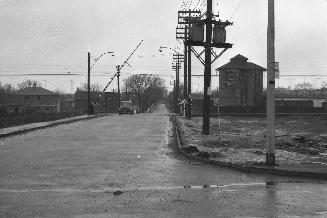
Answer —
196 38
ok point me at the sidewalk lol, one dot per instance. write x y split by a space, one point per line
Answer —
242 147
16 130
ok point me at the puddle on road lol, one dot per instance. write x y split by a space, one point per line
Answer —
322 213
153 188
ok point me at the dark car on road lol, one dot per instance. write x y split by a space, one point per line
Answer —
126 107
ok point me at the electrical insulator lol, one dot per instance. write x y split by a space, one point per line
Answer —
219 34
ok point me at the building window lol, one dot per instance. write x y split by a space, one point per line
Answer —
27 98
47 109
38 98
230 78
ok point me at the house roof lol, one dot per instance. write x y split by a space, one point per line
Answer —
33 91
241 62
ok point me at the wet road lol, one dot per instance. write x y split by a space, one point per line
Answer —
75 170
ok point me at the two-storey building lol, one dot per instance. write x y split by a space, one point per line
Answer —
31 100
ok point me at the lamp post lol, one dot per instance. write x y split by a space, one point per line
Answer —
89 67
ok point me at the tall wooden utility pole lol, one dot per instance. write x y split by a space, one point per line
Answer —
176 67
217 42
88 83
270 143
189 83
178 58
185 76
177 85
118 86
207 71
185 19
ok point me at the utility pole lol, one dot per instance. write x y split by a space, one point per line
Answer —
184 20
185 76
119 67
126 91
189 83
118 87
207 71
178 58
270 143
218 41
88 83
174 97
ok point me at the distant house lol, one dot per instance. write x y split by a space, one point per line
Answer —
31 100
241 83
108 102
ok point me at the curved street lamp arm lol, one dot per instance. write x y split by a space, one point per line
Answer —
96 59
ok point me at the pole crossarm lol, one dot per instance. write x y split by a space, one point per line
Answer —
178 55
198 55
210 21
209 44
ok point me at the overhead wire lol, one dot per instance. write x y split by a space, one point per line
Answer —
197 4
238 6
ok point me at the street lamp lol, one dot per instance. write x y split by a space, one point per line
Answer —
90 109
96 59
162 47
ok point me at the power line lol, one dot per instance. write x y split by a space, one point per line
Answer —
239 4
195 7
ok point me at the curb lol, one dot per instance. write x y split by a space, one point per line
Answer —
52 124
253 169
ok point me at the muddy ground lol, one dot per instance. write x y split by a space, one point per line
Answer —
300 139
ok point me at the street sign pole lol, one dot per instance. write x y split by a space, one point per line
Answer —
216 103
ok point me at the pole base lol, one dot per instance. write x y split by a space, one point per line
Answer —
270 159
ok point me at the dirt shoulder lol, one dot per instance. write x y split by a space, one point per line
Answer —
300 140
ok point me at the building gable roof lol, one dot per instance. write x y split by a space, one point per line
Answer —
33 91
240 62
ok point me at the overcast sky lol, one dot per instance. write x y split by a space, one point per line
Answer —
54 36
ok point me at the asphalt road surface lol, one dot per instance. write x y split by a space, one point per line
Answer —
128 166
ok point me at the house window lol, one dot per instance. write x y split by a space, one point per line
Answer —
38 98
47 109
27 98
230 78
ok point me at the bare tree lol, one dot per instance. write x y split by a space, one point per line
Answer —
29 83
59 91
6 88
304 85
94 87
145 90
324 85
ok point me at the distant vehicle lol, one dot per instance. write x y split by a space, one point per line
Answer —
126 107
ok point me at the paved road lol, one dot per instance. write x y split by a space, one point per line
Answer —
75 170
